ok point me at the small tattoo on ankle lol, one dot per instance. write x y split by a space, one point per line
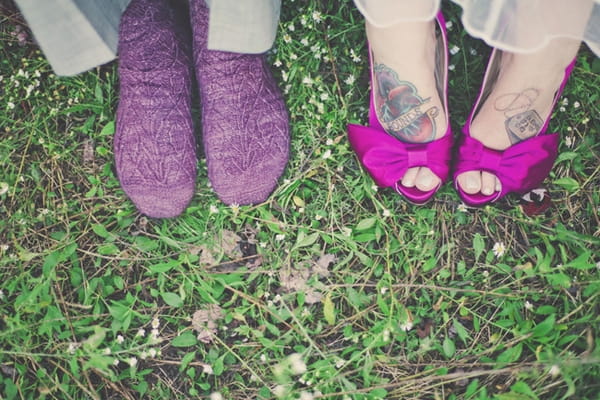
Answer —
400 108
522 121
523 126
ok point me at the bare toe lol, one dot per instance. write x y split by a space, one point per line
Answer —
426 180
410 177
470 182
488 183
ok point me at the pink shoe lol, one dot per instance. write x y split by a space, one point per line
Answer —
521 167
387 159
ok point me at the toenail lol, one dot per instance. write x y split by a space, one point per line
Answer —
471 184
487 190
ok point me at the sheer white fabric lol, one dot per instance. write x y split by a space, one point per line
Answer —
511 25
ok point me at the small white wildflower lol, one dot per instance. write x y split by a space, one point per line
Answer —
374 188
449 25
383 290
213 209
327 154
318 217
10 105
304 41
329 142
72 348
3 188
120 339
141 332
306 396
235 208
386 335
277 63
451 67
472 51
216 396
279 237
263 358
554 371
4 247
152 353
305 313
293 56
576 104
569 141
485 273
317 16
340 363
562 109
107 351
287 38
528 305
585 121
406 326
355 57
386 213
324 96
346 231
597 264
303 20
454 50
284 76
301 210
155 323
132 361
37 73
143 355
1 294
350 80
297 365
207 369
279 391
499 249
307 80
565 102
291 27
116 362
277 298
462 207
263 245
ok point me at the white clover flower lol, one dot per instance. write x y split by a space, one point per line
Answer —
304 41
350 80
279 237
143 355
329 142
576 104
317 16
107 351
297 365
562 109
324 96
213 209
141 332
10 105
207 369
152 353
155 323
120 339
327 154
499 249
132 361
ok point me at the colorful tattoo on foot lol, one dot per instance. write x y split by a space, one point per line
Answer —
522 122
400 108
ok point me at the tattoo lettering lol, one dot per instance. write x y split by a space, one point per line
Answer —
523 126
522 122
400 109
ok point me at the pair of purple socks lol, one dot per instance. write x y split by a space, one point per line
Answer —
245 126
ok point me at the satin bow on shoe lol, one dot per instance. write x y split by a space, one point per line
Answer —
387 159
519 168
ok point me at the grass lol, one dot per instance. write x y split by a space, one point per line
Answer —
329 290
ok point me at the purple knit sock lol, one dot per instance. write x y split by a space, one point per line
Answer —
154 145
245 125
